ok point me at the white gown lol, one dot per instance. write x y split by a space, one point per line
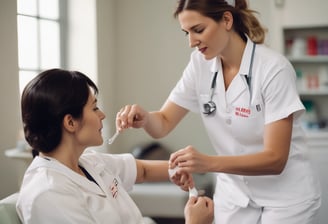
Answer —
53 193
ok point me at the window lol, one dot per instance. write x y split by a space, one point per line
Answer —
40 27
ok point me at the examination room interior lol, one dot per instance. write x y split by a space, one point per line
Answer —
135 51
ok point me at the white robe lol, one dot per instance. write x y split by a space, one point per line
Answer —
53 193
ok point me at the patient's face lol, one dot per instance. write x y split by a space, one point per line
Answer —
90 130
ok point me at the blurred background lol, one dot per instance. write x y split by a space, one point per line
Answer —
135 51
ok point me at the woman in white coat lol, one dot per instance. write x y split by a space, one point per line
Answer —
64 184
246 96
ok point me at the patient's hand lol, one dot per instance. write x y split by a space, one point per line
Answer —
199 210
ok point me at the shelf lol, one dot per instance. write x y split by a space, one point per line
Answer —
309 59
317 138
306 28
306 47
16 153
317 134
317 92
306 44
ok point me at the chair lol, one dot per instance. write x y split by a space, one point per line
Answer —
8 214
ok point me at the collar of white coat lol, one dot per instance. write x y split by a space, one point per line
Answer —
55 165
245 61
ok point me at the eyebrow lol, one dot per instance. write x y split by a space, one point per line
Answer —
191 28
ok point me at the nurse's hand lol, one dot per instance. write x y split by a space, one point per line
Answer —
182 179
199 210
131 116
190 160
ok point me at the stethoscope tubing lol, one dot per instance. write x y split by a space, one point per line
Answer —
248 77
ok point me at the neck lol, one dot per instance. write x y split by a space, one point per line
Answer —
231 58
67 156
232 55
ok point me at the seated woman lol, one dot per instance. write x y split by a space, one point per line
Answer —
65 183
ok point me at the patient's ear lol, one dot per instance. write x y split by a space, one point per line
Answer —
69 123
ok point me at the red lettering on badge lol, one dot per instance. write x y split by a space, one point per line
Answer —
242 112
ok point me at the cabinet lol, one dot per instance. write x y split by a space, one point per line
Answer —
318 144
307 50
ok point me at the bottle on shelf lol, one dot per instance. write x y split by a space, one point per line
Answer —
310 118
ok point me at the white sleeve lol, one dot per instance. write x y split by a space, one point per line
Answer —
122 166
125 167
184 93
281 97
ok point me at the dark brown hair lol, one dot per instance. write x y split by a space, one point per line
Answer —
244 20
47 99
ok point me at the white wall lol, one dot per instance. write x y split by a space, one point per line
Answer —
106 59
151 52
305 13
82 34
9 97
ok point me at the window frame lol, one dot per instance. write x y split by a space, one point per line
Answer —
62 23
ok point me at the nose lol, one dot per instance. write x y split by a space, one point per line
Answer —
102 115
193 42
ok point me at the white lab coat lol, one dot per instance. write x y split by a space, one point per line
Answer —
53 193
237 127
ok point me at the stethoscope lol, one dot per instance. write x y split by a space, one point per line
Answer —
210 106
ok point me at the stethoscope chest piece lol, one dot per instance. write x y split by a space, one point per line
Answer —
209 107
